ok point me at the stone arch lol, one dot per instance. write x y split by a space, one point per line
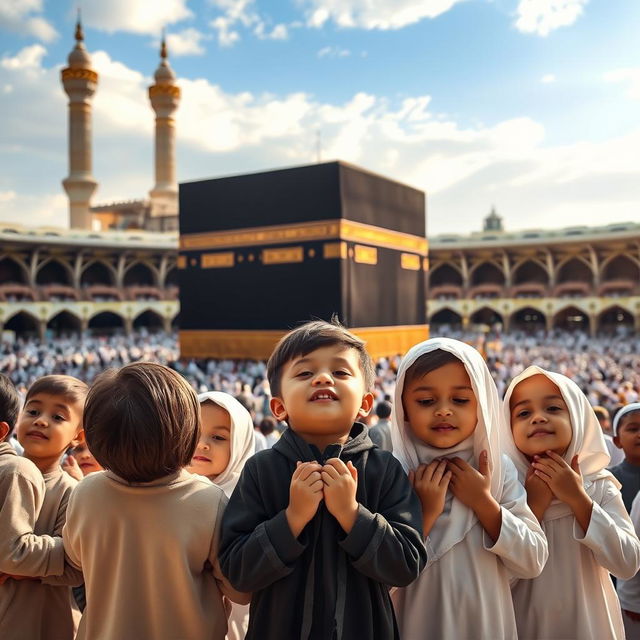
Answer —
487 273
571 318
24 324
54 272
486 315
98 272
65 323
12 271
574 278
171 279
530 271
615 319
445 274
140 274
106 323
150 320
528 319
619 276
447 317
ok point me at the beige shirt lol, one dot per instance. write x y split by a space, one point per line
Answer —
149 553
36 609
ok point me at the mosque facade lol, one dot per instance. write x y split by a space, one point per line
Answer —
116 268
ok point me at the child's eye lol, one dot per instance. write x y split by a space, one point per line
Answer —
303 374
340 373
59 418
220 438
425 402
461 400
31 412
554 408
522 414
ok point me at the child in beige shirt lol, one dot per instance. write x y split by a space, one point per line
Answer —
145 531
50 422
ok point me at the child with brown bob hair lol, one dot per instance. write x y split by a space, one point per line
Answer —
145 531
321 525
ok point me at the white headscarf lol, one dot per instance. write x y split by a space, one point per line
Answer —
587 441
457 519
629 408
241 438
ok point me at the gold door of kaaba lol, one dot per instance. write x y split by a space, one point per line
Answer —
262 253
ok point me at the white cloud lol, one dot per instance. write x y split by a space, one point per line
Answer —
134 16
18 16
28 59
464 169
544 16
237 14
187 42
333 52
629 76
373 14
548 78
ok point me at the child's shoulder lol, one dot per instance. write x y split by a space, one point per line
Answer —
12 467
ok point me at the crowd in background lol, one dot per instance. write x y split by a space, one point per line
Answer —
607 368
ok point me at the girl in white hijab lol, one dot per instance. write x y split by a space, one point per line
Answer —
227 441
479 530
557 445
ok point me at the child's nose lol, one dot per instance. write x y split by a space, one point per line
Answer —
323 377
538 417
443 410
40 420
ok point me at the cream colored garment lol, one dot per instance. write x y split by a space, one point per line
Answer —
43 609
457 519
242 446
149 553
574 597
629 590
464 591
22 492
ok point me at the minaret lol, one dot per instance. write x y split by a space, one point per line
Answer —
79 81
164 95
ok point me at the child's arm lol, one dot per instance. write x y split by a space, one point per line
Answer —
257 548
21 551
611 535
522 545
71 576
388 546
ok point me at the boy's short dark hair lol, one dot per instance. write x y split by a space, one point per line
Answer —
601 412
142 421
429 362
309 337
9 403
383 410
59 385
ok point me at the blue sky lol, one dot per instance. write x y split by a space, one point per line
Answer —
528 105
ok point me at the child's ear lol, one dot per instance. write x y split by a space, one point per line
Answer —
278 409
4 430
617 442
78 438
366 406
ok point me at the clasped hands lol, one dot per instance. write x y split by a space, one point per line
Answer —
334 482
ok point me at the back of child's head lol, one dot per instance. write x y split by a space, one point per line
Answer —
9 404
624 415
68 387
309 337
383 410
429 362
142 422
267 425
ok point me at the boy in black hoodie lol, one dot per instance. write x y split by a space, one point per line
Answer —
322 525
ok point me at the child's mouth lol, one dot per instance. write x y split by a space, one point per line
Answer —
443 427
200 459
37 435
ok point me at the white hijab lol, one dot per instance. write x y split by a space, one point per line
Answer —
457 519
587 442
242 439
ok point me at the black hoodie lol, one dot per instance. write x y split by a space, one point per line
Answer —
326 584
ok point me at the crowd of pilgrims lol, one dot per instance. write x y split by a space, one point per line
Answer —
482 485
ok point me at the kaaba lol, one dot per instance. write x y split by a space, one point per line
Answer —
261 253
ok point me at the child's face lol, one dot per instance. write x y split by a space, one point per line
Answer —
323 392
47 426
628 436
214 447
441 407
540 419
87 463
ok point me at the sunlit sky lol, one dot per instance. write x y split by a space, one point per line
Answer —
531 106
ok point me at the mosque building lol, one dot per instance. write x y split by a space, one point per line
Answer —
116 267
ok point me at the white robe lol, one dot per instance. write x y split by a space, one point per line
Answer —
629 590
465 594
464 591
574 596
